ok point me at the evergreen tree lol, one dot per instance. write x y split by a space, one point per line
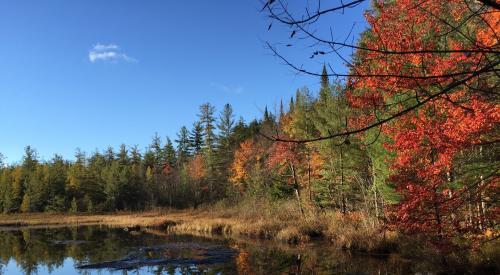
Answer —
57 176
226 127
169 153
282 110
324 91
266 115
122 155
157 150
17 190
196 137
240 131
207 121
183 145
225 144
29 166
6 181
109 155
135 155
149 158
95 185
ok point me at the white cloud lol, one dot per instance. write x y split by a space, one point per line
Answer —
227 89
109 52
102 47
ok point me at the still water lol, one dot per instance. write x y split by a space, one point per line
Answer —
102 250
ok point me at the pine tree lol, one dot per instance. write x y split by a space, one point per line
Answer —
169 153
324 91
282 110
57 176
196 137
78 176
207 121
29 166
157 150
225 145
183 145
226 126
6 190
109 155
17 190
266 114
135 155
122 155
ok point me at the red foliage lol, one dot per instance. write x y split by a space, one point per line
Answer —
425 141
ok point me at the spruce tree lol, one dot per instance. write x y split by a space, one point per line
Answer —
324 91
122 155
225 126
157 150
266 115
183 145
196 137
169 153
207 121
225 145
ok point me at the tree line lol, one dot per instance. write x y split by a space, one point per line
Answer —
127 178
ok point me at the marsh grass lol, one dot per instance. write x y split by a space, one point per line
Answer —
283 221
253 218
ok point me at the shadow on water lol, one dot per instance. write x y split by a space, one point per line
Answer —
102 250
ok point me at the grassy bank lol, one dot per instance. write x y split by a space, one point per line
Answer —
254 218
259 219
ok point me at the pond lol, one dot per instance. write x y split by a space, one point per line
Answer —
103 250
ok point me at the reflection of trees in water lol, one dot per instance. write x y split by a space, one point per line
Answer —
49 247
32 249
282 259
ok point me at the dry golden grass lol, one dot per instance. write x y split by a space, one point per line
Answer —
119 219
283 221
252 218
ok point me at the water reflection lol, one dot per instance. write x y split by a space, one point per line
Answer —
100 250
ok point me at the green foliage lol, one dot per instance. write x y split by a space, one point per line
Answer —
183 145
74 206
128 179
196 138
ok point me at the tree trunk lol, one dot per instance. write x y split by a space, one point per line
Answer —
309 177
342 181
438 219
374 187
296 187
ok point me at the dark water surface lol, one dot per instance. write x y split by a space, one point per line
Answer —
102 250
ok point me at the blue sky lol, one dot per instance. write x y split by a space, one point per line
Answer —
93 73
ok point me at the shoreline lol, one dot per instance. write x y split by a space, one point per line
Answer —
117 219
351 232
343 232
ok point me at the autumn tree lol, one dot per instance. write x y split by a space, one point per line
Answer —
287 159
424 78
248 170
198 174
